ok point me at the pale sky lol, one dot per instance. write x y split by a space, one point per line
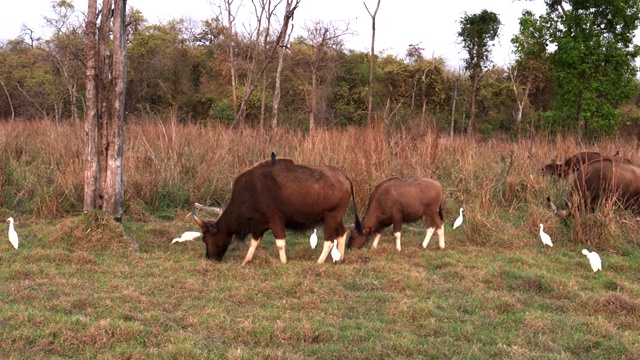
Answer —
398 22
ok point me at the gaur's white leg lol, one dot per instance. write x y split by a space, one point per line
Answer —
342 241
280 244
428 237
326 248
397 236
375 240
440 233
252 250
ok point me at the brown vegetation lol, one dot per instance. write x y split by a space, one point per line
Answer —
169 166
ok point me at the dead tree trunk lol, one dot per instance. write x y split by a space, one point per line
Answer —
91 123
104 118
114 189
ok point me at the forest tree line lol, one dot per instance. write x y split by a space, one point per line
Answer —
218 70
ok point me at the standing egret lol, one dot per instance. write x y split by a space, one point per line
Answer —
459 220
335 253
186 236
13 235
313 239
594 259
546 239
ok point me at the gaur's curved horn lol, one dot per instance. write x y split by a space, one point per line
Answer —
200 223
551 205
561 213
214 209
220 206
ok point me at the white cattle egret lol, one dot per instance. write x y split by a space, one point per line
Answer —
13 235
459 220
546 239
313 239
187 236
594 259
335 253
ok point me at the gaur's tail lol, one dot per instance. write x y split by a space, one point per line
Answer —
441 212
358 224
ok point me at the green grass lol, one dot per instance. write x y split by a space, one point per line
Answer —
64 298
75 289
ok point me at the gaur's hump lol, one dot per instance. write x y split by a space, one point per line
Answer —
276 162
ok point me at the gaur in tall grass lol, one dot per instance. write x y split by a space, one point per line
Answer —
604 180
395 201
575 161
278 194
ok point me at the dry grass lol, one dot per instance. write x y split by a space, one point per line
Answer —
168 166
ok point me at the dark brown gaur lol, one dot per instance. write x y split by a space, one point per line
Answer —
395 201
276 194
604 180
577 160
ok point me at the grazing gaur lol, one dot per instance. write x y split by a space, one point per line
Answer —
275 194
604 180
577 160
395 201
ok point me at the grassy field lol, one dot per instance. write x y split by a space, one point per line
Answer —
76 289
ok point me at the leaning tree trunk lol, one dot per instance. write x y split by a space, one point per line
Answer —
372 60
282 45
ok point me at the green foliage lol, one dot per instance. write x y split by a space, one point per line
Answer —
477 31
594 63
182 67
222 111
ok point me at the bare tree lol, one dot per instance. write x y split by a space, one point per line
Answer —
371 59
456 84
265 43
521 93
323 41
251 82
104 118
230 35
64 49
282 46
263 13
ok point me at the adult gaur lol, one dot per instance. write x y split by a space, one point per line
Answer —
604 180
575 161
275 194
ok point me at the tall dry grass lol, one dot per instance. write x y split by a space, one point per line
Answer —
168 166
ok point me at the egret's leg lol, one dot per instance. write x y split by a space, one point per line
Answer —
428 237
252 250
